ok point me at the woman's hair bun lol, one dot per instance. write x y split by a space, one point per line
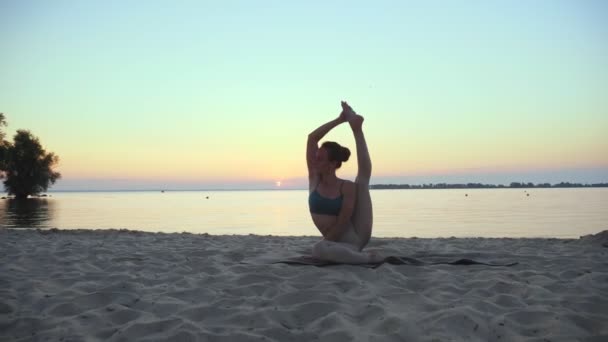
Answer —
344 154
336 152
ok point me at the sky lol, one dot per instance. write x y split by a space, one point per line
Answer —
222 94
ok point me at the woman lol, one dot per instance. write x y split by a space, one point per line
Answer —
340 209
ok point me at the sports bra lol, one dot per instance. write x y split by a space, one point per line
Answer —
323 205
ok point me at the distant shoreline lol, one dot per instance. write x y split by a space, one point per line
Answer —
437 186
513 185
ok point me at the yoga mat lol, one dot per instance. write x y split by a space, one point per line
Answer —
395 260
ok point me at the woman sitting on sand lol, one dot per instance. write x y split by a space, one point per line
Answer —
340 209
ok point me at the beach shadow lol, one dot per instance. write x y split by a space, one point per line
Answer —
26 213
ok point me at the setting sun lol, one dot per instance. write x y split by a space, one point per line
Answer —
278 183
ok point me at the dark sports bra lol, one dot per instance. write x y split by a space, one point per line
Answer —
323 205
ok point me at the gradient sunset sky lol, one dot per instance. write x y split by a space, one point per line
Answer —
222 94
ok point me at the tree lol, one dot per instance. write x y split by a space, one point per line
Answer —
2 123
3 146
27 167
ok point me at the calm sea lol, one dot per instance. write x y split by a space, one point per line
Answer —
564 213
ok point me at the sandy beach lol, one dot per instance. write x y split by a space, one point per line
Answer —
134 286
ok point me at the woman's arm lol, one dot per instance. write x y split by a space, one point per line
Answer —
312 146
318 134
348 206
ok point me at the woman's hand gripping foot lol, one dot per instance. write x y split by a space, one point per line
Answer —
355 120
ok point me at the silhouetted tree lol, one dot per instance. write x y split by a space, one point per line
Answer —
27 167
2 123
3 146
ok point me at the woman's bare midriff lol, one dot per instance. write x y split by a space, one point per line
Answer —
323 222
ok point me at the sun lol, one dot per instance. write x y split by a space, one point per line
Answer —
278 183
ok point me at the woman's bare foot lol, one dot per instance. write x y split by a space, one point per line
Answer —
347 111
355 120
374 257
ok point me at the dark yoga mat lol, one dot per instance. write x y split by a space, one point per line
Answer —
393 260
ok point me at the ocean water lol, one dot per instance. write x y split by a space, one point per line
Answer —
561 213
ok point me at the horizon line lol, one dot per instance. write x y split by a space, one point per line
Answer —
390 186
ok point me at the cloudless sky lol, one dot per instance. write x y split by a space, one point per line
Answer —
198 94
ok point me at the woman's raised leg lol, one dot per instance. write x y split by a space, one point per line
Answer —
362 218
